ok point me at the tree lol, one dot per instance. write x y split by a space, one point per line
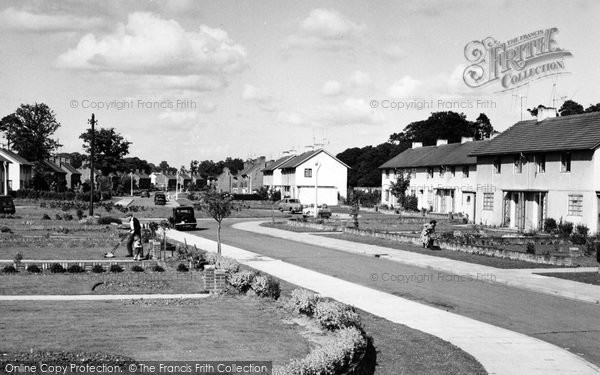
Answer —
570 107
29 132
593 108
76 158
482 127
109 149
219 207
164 166
400 186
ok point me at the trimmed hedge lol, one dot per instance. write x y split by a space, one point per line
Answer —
333 315
303 301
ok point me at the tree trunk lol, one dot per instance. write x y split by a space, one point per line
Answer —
219 239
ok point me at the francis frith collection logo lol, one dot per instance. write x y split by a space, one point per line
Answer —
516 62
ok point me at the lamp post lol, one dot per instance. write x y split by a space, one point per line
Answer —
177 185
131 178
92 122
317 166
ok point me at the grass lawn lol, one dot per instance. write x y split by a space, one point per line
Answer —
219 328
282 225
582 277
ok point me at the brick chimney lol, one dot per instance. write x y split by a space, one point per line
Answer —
546 112
466 139
441 142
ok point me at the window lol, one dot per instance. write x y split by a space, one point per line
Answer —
575 205
497 165
387 196
441 171
565 162
429 172
387 173
518 162
540 163
307 172
488 201
413 173
465 171
453 171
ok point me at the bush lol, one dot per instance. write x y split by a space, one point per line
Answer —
182 268
105 220
411 203
230 265
550 225
530 248
57 268
266 286
45 217
33 268
75 268
79 214
9 269
592 246
580 235
137 268
58 217
565 229
98 268
67 217
333 315
115 268
158 268
303 301
242 281
5 229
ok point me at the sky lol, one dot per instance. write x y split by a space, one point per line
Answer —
197 80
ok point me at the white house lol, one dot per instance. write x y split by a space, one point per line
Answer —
314 176
548 167
442 177
20 171
272 173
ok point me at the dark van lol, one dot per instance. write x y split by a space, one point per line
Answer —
160 199
183 218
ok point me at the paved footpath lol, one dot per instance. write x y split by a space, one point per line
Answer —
518 278
499 350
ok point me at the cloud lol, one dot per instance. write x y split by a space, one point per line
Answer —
148 44
393 52
404 88
352 111
290 118
331 88
26 21
326 29
360 79
261 97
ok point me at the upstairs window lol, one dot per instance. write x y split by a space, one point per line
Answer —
565 162
465 171
429 172
497 165
308 172
518 162
540 163
453 171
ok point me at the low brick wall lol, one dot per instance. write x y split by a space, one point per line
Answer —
215 280
85 264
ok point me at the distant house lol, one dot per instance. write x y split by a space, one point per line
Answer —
184 180
73 176
20 171
142 180
224 182
544 168
272 173
163 181
250 179
58 176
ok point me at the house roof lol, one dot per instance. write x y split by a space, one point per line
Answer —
297 160
575 132
429 156
53 167
3 160
141 175
11 155
274 165
69 168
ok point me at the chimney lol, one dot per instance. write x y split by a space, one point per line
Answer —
417 144
546 112
466 139
441 142
309 148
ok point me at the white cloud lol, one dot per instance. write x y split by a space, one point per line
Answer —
290 118
261 97
26 21
326 29
350 112
148 44
360 79
393 52
404 88
331 88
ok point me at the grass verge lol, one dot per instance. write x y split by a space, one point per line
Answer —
582 277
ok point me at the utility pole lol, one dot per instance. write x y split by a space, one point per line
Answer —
92 122
521 97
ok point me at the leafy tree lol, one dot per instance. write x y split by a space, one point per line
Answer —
109 149
219 207
400 186
234 165
593 108
570 107
164 166
135 163
29 132
482 127
76 158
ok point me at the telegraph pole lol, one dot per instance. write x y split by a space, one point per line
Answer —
92 122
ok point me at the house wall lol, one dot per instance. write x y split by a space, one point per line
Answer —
582 180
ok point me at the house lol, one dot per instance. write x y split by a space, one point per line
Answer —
314 175
225 181
250 179
4 163
58 177
184 180
163 180
442 177
548 167
272 173
20 171
73 176
142 180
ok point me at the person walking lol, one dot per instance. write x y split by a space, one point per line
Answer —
427 233
135 229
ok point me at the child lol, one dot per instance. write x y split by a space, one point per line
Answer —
138 249
427 234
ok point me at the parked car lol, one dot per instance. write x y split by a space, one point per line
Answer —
183 218
290 204
323 211
160 199
145 194
7 206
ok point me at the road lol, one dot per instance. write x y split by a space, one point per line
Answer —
569 324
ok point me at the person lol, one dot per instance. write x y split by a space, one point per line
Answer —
427 234
138 249
135 229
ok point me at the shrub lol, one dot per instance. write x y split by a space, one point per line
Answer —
550 225
58 217
98 268
182 268
79 214
45 217
242 281
565 229
33 268
75 268
530 248
266 286
9 269
105 220
18 258
57 268
115 268
580 235
137 268
303 301
230 265
67 216
5 229
158 268
333 315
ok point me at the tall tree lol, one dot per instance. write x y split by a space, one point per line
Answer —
29 131
482 127
399 187
109 149
219 207
570 107
593 108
